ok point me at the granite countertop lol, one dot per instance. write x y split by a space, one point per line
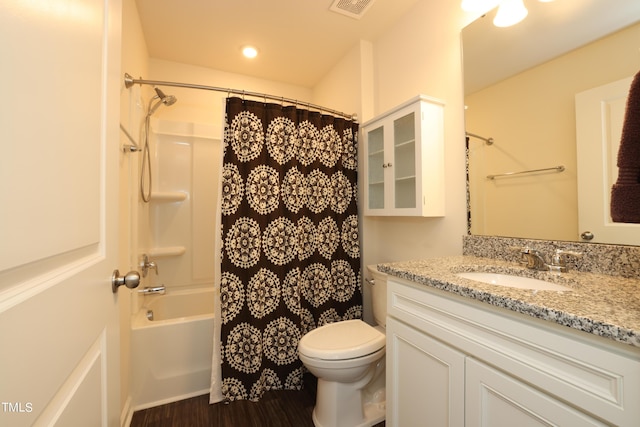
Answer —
607 306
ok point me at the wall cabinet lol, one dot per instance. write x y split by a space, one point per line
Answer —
458 362
404 160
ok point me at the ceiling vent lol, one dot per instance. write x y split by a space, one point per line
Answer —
352 8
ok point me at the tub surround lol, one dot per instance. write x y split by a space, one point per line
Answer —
605 305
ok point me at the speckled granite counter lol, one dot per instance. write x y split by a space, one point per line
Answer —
604 305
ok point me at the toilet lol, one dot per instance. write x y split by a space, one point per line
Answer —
348 359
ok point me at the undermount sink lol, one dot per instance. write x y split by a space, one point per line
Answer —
512 281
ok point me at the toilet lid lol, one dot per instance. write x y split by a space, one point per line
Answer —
342 340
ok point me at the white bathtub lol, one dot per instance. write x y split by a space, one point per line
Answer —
171 355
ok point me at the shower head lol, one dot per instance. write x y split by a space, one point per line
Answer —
166 99
162 99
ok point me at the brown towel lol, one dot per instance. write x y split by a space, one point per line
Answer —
625 193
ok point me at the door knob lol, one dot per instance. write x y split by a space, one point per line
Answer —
587 235
130 280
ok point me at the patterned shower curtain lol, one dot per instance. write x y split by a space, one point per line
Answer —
291 254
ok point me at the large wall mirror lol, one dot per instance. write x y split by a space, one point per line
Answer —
521 84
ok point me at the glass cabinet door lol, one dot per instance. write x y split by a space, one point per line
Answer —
375 150
404 155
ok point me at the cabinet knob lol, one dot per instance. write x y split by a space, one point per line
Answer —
386 165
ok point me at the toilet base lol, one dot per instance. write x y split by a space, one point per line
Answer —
371 413
374 413
362 404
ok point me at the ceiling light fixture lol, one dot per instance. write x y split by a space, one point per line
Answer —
249 52
510 12
479 5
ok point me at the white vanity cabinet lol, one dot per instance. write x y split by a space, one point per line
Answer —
458 362
425 379
404 160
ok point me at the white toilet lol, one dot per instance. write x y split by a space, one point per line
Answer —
348 359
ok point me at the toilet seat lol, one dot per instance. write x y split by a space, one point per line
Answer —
348 339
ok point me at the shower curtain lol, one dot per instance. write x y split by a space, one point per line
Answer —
290 240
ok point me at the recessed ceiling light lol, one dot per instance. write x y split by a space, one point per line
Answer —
249 52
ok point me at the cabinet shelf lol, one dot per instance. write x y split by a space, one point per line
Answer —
405 178
405 143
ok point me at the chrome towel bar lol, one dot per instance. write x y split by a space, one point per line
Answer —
555 168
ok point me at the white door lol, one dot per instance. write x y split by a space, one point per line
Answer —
599 118
59 86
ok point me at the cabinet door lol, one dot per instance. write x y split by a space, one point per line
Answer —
376 167
494 399
425 380
404 168
392 165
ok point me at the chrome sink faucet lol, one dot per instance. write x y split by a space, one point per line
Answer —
559 261
535 261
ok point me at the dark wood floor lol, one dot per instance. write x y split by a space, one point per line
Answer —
275 409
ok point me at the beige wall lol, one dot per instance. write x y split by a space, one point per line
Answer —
134 61
532 118
419 55
206 107
373 77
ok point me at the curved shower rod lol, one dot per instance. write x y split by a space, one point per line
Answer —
489 140
130 81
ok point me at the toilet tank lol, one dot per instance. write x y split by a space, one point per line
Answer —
379 295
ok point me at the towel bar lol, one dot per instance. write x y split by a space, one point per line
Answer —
555 168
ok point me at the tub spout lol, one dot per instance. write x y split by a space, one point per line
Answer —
160 290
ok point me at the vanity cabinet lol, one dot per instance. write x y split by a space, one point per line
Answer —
424 376
459 362
404 160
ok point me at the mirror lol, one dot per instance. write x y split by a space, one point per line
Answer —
520 86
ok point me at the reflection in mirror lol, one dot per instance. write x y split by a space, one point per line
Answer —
520 89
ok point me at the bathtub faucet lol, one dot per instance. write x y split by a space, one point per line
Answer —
160 290
146 265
